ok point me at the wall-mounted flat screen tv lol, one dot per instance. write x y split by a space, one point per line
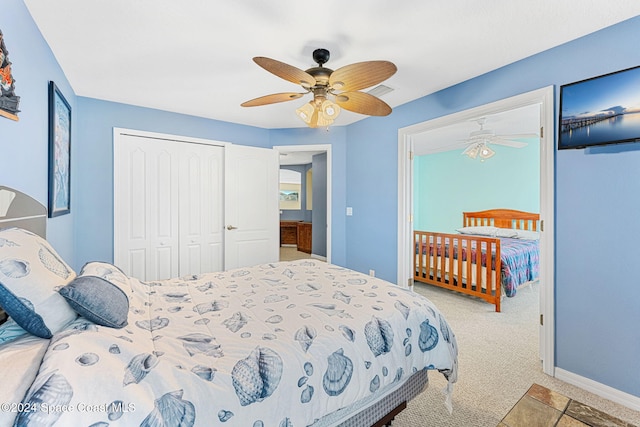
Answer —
601 110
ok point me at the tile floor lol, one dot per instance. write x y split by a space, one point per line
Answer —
543 407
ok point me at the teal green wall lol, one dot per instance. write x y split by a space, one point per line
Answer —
449 183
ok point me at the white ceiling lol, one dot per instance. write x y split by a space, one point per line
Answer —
194 56
523 120
296 157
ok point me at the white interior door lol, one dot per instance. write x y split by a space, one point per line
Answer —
252 232
201 213
146 207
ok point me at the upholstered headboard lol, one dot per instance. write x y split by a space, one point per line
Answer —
19 210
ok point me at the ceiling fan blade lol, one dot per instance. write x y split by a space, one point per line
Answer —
363 103
272 99
361 75
508 142
518 136
286 71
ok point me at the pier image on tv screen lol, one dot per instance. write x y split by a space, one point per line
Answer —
601 110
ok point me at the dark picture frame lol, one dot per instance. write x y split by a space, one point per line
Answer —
59 153
600 110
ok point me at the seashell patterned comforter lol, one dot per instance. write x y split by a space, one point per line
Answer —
272 345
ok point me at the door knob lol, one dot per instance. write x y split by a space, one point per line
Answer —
231 227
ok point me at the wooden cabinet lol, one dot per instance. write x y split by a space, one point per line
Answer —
289 232
296 233
304 237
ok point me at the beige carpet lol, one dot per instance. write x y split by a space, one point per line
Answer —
290 253
498 362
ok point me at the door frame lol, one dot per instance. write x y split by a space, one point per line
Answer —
545 98
316 148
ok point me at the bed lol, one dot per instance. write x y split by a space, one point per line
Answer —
289 344
490 241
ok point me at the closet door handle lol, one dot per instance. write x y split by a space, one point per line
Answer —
231 227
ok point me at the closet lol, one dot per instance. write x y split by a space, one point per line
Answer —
185 206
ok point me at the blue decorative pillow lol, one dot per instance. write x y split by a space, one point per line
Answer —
30 274
108 272
98 300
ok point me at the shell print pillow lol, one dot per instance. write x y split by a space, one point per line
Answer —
31 272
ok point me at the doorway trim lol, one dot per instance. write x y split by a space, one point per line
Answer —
316 148
543 97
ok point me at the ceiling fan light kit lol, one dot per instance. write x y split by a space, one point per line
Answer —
480 140
480 149
324 84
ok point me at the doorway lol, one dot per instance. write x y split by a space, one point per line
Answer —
320 213
406 140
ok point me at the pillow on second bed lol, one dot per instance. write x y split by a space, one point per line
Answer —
489 231
483 230
528 235
30 273
507 232
98 298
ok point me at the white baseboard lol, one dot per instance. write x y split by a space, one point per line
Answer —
610 393
320 257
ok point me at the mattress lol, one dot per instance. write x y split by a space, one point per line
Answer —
286 344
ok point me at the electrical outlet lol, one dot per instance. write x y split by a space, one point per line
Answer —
372 273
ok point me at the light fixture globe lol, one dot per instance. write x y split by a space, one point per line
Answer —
330 110
306 112
486 152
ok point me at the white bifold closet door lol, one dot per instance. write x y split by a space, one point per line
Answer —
184 208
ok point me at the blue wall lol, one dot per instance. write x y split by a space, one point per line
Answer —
449 183
24 143
597 203
93 162
319 213
597 191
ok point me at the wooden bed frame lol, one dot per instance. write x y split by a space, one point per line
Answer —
451 271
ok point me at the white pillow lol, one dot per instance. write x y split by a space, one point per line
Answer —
528 235
507 232
31 272
484 230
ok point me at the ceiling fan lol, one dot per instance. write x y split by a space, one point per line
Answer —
332 90
479 141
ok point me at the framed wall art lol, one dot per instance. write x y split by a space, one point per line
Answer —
59 153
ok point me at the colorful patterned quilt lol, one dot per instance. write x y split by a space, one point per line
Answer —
279 344
520 259
520 263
